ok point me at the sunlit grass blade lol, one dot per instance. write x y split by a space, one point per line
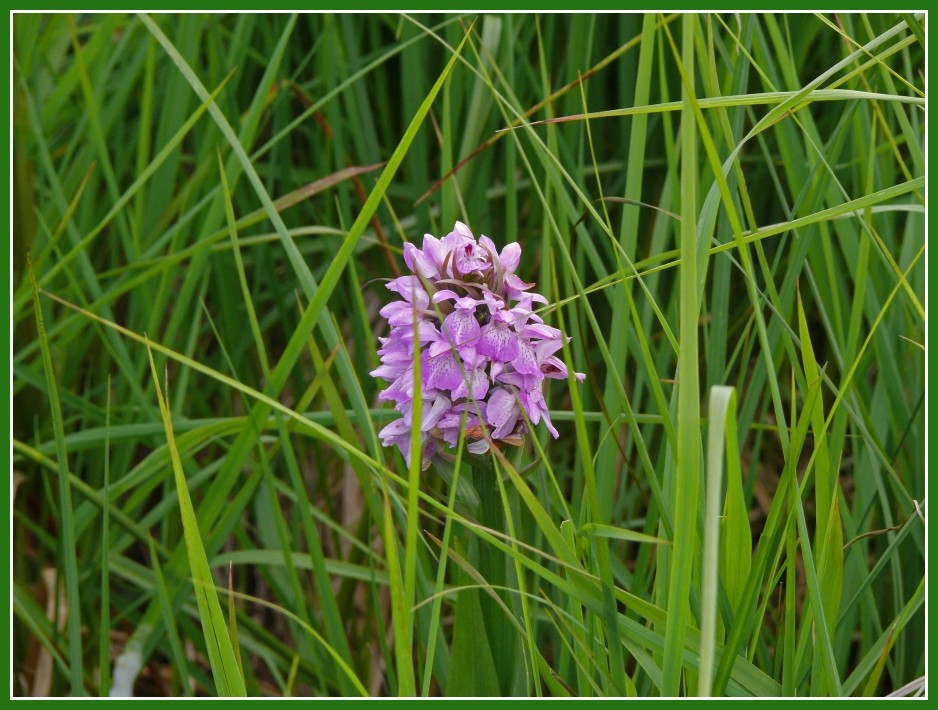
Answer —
225 671
754 99
721 420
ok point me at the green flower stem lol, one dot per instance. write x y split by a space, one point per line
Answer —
491 564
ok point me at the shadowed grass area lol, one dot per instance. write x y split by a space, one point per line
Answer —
726 213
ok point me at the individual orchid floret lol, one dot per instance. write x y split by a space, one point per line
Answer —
469 322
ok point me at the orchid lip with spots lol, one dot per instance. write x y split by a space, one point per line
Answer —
483 351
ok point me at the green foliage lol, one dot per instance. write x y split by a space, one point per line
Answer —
727 212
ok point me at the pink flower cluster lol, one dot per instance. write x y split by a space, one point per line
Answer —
483 351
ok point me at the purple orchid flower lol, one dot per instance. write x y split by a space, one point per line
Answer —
483 352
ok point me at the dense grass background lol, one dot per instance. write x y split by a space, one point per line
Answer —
191 397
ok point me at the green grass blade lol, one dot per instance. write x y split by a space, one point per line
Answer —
104 635
66 515
736 535
233 620
169 620
441 569
596 511
227 675
158 160
721 417
473 672
685 494
915 26
746 617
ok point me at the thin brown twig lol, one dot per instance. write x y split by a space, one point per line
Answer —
894 528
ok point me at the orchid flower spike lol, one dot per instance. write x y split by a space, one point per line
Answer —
484 353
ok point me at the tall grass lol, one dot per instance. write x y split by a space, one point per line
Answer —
727 212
